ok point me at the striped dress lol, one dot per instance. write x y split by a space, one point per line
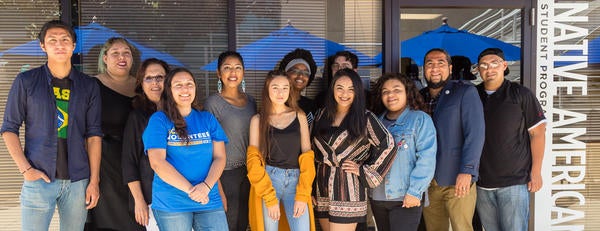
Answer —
341 196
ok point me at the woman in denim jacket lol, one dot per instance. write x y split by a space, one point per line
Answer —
397 204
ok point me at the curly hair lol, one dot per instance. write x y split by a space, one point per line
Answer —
300 53
413 98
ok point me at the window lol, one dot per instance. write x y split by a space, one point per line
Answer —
20 22
193 32
353 23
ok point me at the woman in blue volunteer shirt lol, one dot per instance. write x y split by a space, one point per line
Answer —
186 148
397 204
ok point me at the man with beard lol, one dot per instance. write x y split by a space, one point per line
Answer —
458 117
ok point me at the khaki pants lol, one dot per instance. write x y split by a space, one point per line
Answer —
445 208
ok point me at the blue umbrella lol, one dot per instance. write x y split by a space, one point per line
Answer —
456 42
593 55
31 48
88 37
265 53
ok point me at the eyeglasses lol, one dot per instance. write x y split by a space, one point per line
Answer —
150 79
298 72
227 68
492 65
338 66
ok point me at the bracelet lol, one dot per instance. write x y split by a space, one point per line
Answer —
24 171
209 188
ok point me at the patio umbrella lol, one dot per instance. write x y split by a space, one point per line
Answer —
593 53
456 42
264 54
88 37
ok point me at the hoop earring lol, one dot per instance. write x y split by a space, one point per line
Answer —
219 86
244 85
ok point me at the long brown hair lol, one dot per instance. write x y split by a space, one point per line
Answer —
267 109
170 107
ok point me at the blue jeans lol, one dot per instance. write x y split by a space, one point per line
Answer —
284 181
182 221
39 199
504 208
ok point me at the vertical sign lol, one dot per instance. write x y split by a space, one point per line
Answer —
562 49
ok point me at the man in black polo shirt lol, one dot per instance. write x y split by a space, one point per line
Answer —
511 162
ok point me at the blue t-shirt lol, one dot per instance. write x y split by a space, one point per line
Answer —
193 161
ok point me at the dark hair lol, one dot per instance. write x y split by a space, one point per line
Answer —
170 107
300 53
226 54
355 121
491 51
351 57
267 109
56 24
141 101
448 59
413 98
461 68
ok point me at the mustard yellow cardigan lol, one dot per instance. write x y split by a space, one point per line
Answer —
261 188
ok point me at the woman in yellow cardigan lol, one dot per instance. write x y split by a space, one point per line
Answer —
279 160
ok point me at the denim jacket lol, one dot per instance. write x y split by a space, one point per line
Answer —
414 165
31 101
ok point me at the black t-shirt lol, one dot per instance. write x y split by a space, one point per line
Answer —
509 112
309 107
285 146
62 93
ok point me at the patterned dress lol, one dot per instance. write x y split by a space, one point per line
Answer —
341 196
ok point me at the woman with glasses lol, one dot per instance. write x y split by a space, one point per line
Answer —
280 161
117 89
186 149
137 173
397 203
233 108
300 67
353 151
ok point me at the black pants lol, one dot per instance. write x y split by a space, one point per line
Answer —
389 215
237 190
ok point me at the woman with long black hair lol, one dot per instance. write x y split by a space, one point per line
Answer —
353 151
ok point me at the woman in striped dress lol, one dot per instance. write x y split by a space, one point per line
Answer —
353 151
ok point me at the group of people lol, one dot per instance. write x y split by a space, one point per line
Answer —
138 150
